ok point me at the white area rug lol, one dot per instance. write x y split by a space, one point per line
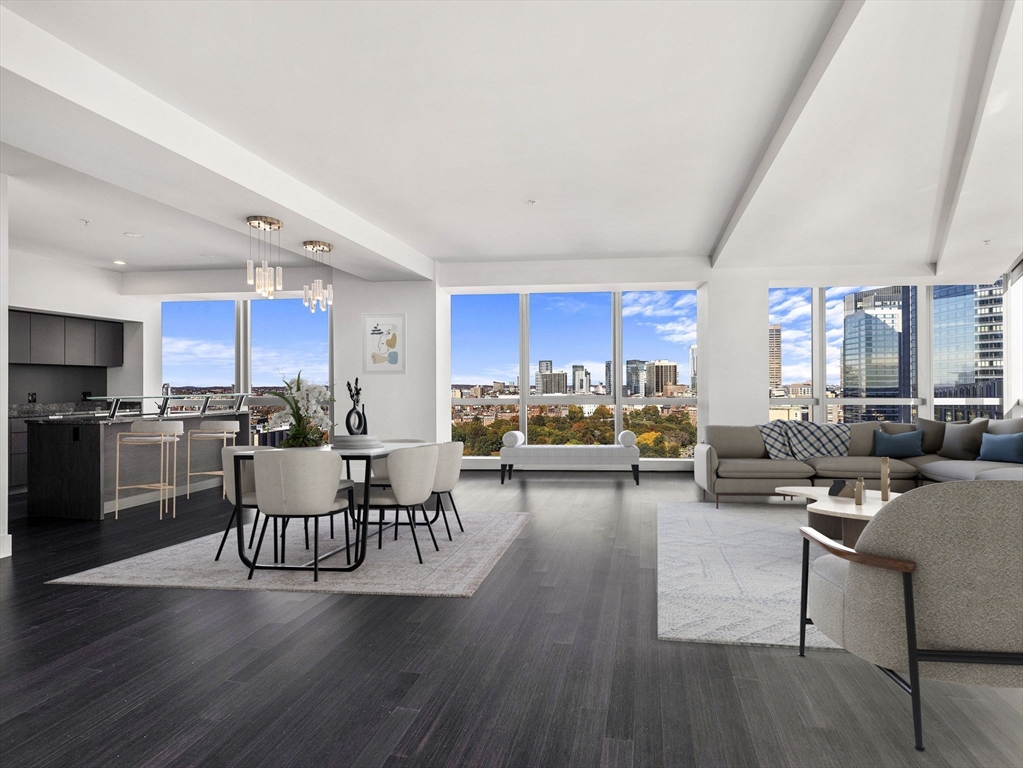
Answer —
731 576
456 570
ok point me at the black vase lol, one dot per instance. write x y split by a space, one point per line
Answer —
355 421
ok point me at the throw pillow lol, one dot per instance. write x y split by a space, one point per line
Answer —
962 441
934 435
894 428
900 446
1002 448
1005 426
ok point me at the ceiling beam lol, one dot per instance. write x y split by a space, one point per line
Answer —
991 31
832 41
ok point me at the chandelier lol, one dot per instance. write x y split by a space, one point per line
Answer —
265 278
316 293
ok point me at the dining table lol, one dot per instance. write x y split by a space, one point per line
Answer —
366 455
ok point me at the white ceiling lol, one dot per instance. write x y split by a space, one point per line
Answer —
635 126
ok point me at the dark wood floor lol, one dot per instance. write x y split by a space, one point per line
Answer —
553 662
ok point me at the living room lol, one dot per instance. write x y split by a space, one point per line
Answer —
670 273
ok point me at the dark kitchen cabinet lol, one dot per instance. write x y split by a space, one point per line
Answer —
79 341
19 330
109 344
47 342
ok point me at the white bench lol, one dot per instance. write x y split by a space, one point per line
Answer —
623 454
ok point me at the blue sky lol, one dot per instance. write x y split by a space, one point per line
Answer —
198 342
568 329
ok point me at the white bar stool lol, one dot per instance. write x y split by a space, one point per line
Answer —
209 430
166 435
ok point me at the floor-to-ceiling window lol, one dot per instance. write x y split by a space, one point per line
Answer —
968 351
198 346
871 353
790 353
570 344
658 373
484 370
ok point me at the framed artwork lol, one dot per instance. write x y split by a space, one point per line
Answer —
383 343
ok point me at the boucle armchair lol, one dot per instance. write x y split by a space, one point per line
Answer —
933 589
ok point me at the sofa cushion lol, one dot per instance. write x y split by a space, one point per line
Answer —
962 441
1002 473
1005 426
922 461
897 428
753 468
1002 448
861 438
846 467
736 442
898 446
934 434
946 471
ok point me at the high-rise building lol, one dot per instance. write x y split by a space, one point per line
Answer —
968 348
660 373
580 380
609 379
635 377
774 356
546 366
692 367
879 351
553 383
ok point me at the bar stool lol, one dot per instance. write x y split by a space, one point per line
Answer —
209 430
164 434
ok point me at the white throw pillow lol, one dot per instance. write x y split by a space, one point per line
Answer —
511 439
627 438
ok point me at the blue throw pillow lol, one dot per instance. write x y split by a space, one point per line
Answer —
1002 448
900 446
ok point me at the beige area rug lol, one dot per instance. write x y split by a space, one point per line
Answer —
456 570
731 575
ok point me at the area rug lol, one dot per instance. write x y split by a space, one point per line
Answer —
731 575
456 570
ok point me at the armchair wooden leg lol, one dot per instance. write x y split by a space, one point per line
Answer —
635 473
914 665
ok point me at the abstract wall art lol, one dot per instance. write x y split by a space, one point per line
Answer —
383 343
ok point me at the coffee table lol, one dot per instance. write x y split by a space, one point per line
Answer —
837 517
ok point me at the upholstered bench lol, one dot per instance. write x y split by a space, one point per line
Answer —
624 454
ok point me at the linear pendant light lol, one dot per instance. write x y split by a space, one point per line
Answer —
316 293
266 279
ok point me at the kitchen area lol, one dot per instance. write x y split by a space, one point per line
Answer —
64 420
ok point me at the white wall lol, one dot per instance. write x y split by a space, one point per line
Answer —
397 405
64 287
732 312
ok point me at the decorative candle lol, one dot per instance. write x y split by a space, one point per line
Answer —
885 479
859 492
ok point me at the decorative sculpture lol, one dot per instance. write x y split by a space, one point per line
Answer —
355 421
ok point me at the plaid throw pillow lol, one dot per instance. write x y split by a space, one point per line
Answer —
807 439
776 439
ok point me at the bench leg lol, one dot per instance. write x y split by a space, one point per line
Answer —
502 473
635 473
510 467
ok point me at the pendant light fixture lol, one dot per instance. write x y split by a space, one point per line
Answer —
262 275
317 293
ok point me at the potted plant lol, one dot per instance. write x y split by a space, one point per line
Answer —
308 426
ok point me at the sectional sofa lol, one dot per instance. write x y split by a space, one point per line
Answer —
733 460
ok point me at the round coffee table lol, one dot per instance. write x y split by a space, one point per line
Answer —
837 517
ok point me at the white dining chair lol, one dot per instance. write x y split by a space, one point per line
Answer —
449 467
248 488
380 476
411 473
294 483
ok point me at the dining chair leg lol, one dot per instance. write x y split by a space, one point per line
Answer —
332 526
348 543
442 511
412 525
396 524
284 536
226 532
348 546
255 555
255 523
380 529
275 539
316 547
455 510
429 527
306 522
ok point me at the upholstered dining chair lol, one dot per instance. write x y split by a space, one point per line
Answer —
380 477
449 467
248 488
933 589
411 474
294 483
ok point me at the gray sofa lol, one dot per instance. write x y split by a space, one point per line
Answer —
733 461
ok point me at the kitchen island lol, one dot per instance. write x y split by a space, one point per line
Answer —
72 462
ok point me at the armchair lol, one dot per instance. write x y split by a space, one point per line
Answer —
933 589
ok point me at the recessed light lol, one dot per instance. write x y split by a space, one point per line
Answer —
531 202
120 263
132 234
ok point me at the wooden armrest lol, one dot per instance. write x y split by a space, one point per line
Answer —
842 551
